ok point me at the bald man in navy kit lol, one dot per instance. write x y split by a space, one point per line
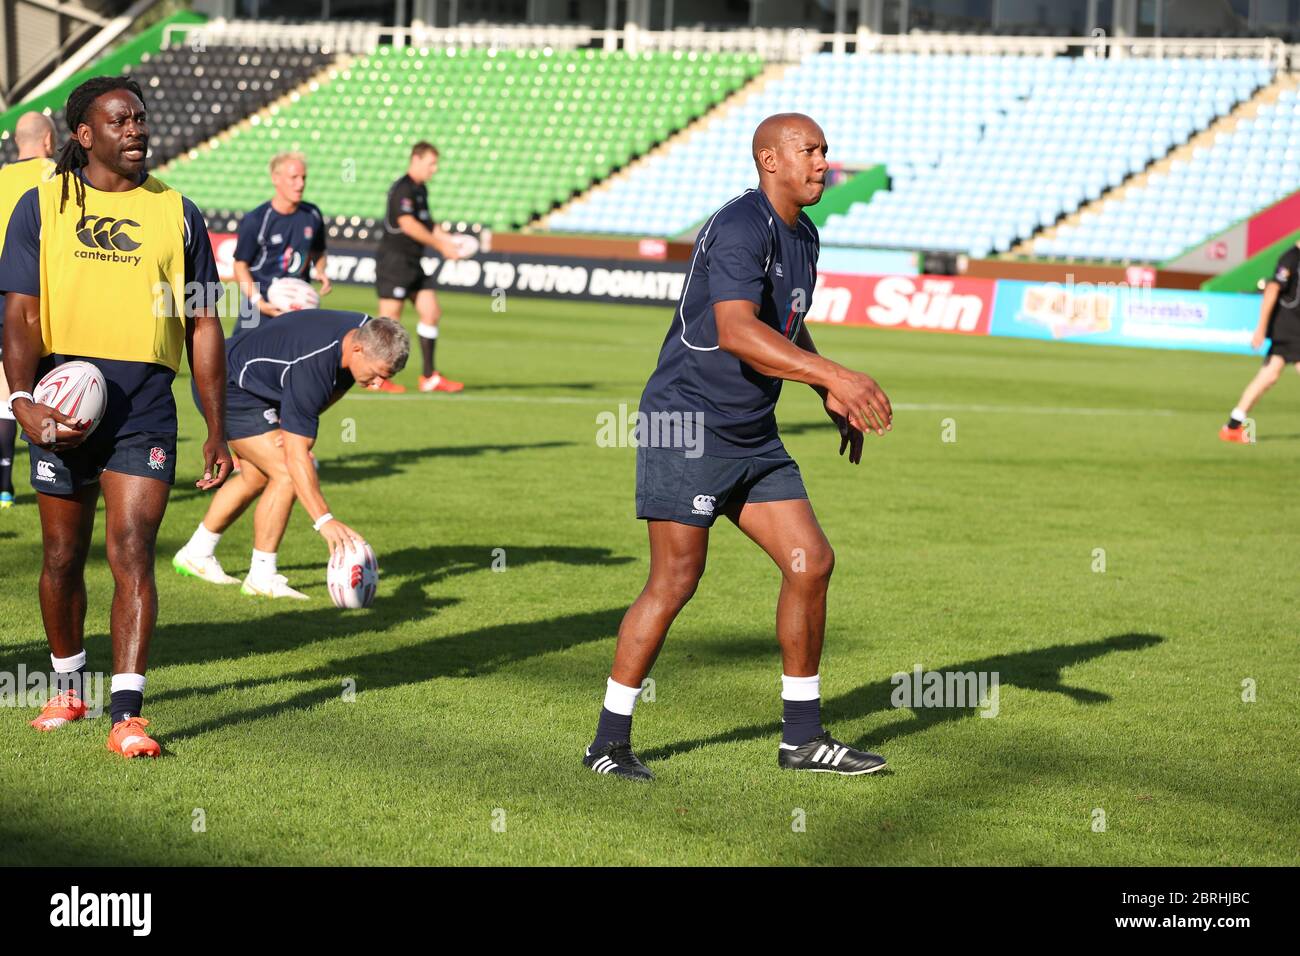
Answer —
738 333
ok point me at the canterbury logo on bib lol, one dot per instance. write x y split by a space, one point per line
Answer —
107 233
111 273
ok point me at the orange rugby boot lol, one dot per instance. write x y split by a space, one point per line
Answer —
129 739
59 710
439 383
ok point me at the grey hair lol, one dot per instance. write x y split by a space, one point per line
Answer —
386 341
279 159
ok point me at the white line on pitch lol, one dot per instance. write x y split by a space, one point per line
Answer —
539 400
608 401
1037 410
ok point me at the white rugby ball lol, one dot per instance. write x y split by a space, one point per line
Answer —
76 389
291 295
353 576
466 244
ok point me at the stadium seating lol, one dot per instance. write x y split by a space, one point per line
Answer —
518 131
1085 127
192 95
1250 167
903 110
982 150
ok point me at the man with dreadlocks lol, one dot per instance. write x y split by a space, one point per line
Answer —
106 264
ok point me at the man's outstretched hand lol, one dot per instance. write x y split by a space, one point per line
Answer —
857 405
860 400
850 437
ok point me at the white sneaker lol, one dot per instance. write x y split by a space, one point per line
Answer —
276 586
205 569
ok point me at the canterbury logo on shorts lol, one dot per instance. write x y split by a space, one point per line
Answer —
105 232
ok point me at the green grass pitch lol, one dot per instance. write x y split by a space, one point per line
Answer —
1121 691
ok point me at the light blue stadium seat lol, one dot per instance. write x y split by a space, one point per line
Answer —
982 151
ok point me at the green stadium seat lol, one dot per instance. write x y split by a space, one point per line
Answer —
520 131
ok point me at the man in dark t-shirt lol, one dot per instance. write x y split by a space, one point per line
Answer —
747 254
707 444
399 273
1279 322
282 238
280 377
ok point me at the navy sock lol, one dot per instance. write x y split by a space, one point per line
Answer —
125 703
426 353
8 431
801 721
611 729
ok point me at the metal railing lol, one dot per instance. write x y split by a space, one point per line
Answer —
340 37
772 45
362 37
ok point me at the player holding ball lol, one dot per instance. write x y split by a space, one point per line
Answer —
99 264
284 238
281 377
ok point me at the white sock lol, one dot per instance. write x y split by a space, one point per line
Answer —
127 682
69 665
427 331
203 543
801 688
620 699
1237 415
263 564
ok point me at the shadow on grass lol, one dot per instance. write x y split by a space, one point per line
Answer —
440 562
357 466
1032 670
800 428
823 428
469 654
404 577
34 654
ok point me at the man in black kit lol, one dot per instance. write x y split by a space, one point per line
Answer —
408 228
1279 322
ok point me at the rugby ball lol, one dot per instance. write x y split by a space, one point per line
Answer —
290 295
353 576
466 244
76 389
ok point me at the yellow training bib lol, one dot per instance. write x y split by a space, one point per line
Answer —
113 277
15 179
